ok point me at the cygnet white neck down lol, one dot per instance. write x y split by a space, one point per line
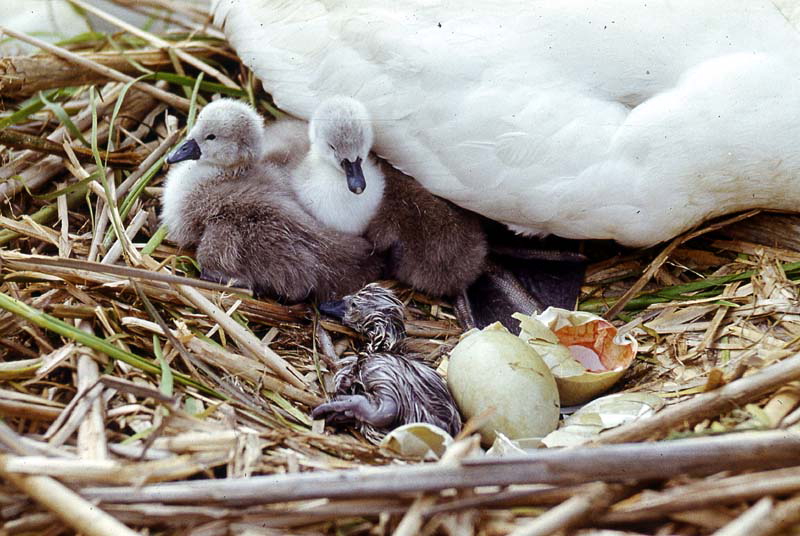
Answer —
337 182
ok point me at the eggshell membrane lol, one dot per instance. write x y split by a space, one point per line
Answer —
494 370
591 340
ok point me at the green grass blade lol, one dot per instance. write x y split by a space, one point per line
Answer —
64 117
705 288
22 114
33 105
56 325
155 240
136 192
286 406
115 225
211 87
74 187
193 103
82 38
166 384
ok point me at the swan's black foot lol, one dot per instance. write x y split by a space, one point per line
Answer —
554 280
346 409
521 279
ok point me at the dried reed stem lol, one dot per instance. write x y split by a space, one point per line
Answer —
245 338
708 494
702 406
23 76
664 255
612 463
753 518
75 511
157 41
164 96
573 512
18 140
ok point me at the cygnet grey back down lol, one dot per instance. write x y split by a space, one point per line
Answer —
286 143
432 245
260 237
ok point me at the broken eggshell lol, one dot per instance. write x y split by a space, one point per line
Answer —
418 440
603 414
584 351
495 375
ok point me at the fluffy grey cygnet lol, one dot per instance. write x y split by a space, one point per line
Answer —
222 199
431 244
385 386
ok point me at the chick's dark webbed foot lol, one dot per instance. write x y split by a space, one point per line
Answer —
348 408
521 279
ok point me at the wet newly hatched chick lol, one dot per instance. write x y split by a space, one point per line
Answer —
385 386
222 199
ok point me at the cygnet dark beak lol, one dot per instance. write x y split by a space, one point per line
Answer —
335 308
188 151
355 177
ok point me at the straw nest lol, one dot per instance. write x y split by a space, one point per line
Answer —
135 397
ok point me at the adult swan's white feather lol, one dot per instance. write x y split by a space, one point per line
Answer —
615 119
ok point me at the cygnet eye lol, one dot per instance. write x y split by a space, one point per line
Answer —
211 137
332 147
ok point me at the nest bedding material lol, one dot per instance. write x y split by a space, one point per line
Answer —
136 397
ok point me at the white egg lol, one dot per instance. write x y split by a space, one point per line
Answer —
498 377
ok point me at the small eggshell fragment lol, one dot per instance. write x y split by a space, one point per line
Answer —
496 375
418 439
584 351
602 414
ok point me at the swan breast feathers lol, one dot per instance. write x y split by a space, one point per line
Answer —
587 119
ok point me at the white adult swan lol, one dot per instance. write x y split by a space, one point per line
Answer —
615 119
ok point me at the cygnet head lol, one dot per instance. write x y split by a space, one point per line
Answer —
373 311
340 132
228 133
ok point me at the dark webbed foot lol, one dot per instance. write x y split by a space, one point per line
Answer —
554 283
523 276
348 408
495 295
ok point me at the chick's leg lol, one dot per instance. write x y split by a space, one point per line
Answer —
522 275
346 408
